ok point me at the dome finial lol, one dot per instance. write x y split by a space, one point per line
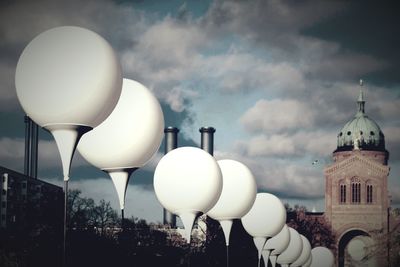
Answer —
360 101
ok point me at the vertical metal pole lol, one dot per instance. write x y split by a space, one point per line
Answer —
171 142
64 258
388 235
122 220
227 256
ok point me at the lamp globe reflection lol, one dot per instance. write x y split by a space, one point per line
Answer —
187 181
128 138
293 251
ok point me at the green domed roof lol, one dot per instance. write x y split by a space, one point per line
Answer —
361 132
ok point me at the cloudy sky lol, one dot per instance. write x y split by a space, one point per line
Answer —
277 79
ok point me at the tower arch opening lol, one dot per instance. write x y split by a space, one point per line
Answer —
356 248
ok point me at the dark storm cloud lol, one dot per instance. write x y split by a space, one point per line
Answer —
270 22
366 27
279 27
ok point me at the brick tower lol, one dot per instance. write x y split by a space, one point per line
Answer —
356 197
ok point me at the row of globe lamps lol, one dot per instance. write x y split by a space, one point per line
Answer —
69 81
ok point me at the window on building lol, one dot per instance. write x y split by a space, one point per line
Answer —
3 204
355 192
4 192
369 194
342 193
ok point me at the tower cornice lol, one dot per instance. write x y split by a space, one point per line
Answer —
350 161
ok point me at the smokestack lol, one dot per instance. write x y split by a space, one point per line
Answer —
34 149
31 147
27 160
207 144
171 142
207 139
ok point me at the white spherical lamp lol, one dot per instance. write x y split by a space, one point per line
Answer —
68 75
68 80
187 181
293 251
265 219
128 138
237 197
276 245
305 253
322 257
308 262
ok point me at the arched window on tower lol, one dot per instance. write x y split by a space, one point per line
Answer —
355 190
342 192
369 193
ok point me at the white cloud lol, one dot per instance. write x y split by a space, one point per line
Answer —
238 71
177 97
163 57
300 144
275 145
275 116
285 179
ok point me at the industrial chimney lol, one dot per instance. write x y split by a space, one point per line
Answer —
171 142
207 144
207 139
31 147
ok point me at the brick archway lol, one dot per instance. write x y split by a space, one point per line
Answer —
344 241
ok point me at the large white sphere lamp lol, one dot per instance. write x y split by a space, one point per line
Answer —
128 138
264 220
188 181
308 262
276 245
293 251
322 257
237 197
305 253
68 80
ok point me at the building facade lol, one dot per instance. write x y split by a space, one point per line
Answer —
28 202
356 197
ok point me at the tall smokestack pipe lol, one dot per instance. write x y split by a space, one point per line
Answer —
171 142
27 160
31 147
34 149
207 139
207 144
